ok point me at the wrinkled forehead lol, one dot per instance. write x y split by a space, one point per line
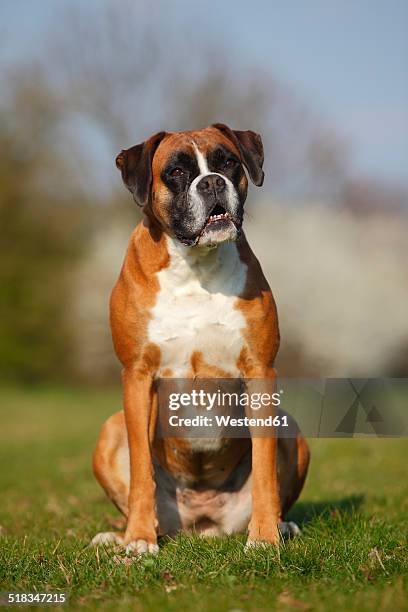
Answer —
191 145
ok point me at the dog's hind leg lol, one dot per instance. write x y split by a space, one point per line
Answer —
111 469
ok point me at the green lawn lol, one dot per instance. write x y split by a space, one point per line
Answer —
353 513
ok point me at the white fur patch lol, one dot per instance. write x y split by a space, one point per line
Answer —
195 310
195 307
238 508
141 547
107 538
202 162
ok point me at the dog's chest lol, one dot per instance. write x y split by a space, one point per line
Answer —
195 310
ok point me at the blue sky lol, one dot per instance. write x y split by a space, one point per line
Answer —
348 60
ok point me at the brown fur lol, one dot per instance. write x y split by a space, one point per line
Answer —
132 299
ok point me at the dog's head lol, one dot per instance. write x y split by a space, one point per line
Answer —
194 183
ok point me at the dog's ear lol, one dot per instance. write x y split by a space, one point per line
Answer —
250 146
135 165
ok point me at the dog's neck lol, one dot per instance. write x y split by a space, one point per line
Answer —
195 255
184 263
201 263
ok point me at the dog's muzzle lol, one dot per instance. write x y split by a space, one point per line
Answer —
215 205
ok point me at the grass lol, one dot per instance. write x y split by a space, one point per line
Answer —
353 513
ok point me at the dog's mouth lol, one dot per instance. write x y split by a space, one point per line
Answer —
219 227
218 213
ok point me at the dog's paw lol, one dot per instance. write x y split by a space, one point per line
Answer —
140 547
289 529
267 543
123 553
251 544
264 536
107 538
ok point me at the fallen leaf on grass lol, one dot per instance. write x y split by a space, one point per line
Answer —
124 560
375 558
286 598
64 570
70 533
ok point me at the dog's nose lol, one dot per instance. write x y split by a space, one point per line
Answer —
212 183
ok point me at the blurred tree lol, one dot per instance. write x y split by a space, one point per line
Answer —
364 196
41 236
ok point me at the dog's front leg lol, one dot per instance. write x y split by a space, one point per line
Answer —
263 526
141 531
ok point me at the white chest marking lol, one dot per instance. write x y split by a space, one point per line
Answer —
195 308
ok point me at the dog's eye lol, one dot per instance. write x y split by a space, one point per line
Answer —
177 172
230 163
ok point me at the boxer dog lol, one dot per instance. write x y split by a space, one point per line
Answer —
192 302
